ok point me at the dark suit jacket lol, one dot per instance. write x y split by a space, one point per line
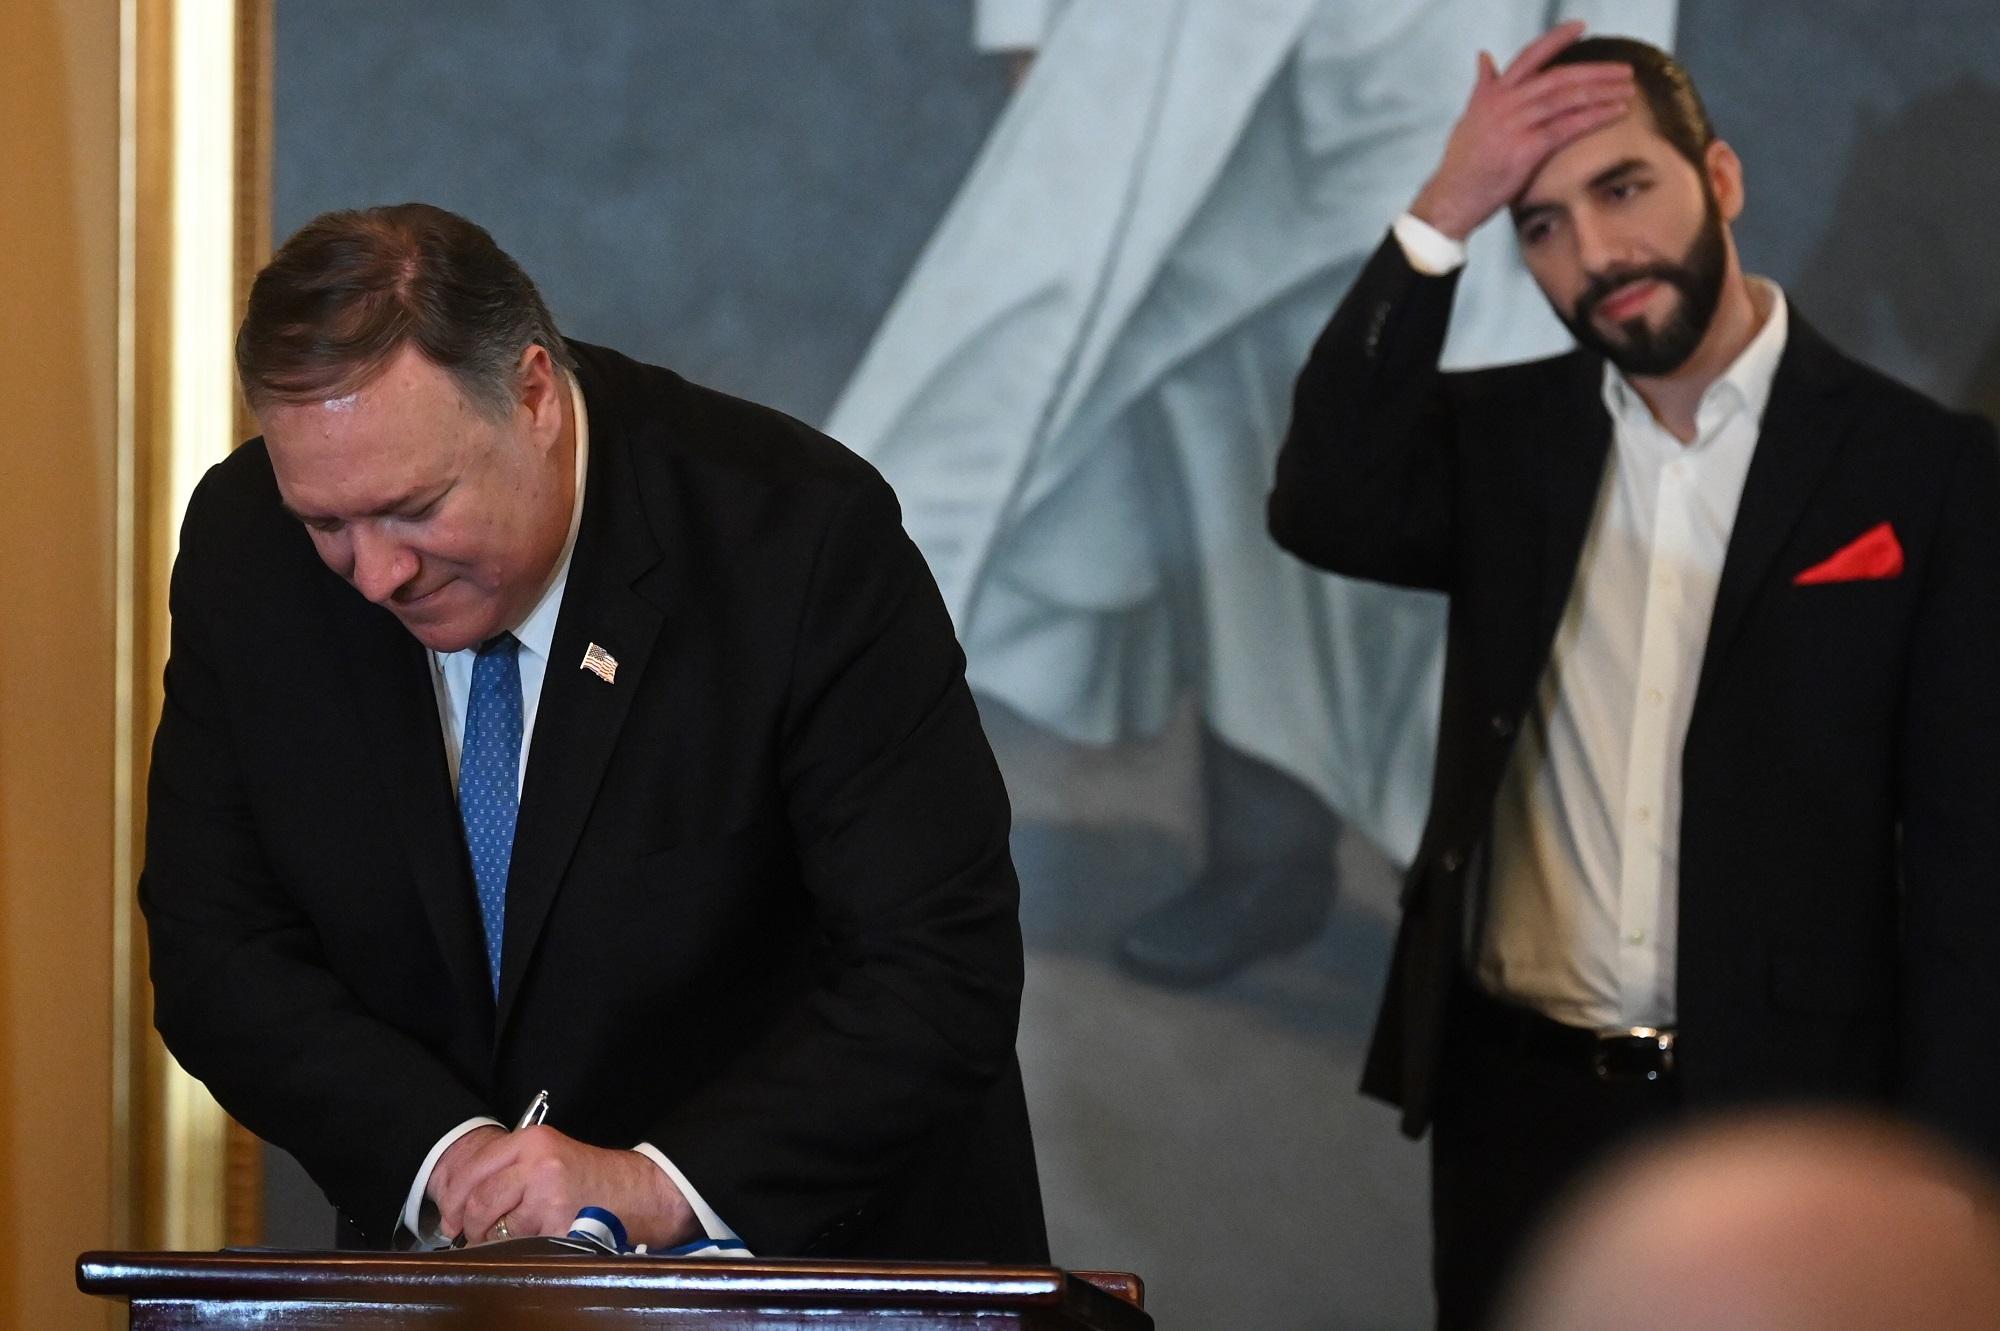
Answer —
1841 776
761 911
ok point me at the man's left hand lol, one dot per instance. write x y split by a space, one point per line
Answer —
537 1179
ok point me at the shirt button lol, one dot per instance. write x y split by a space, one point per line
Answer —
1636 937
1655 696
1643 814
1449 861
1501 725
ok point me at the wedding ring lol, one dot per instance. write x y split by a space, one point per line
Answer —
500 1227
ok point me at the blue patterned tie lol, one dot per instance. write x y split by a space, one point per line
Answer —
489 773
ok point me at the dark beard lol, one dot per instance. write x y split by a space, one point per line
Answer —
1641 349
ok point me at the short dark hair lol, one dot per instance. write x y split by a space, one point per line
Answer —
1664 83
350 288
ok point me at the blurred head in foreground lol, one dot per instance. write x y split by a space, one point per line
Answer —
1827 1222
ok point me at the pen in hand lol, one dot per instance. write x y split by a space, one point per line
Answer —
537 1110
535 1113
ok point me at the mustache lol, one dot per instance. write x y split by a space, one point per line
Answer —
1603 284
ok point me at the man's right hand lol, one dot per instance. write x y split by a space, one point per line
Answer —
455 1173
1514 121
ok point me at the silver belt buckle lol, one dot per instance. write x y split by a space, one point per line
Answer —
1644 1051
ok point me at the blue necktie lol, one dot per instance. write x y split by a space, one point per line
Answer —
489 774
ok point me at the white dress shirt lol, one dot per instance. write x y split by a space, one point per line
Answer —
1582 906
451 675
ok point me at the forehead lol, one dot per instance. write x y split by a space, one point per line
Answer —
408 426
1634 136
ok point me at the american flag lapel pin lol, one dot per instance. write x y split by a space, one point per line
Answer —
600 663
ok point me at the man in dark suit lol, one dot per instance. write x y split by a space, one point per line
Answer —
1719 761
538 720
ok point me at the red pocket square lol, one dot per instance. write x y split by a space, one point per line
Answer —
1874 554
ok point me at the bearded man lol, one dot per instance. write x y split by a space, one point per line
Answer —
1718 761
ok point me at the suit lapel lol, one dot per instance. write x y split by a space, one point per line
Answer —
580 715
390 678
1575 446
1800 436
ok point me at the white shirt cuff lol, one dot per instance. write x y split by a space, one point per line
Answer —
420 1215
711 1223
1011 25
1429 250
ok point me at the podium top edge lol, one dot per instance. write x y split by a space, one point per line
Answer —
329 1275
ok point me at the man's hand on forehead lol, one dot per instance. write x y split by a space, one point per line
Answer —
1514 121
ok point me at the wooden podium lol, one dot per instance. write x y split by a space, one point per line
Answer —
532 1283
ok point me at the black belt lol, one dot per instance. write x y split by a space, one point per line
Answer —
1620 1054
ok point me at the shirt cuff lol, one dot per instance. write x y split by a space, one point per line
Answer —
419 1219
1429 250
711 1223
1011 25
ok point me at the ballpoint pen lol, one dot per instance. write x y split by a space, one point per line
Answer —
537 1110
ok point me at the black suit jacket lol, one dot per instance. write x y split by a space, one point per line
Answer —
760 912
1841 774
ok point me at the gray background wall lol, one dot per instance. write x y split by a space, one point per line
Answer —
1869 132
733 188
737 187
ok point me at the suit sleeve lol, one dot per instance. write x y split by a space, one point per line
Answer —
901 825
1364 477
241 994
1951 813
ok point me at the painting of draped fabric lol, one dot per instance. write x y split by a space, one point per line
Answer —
1051 265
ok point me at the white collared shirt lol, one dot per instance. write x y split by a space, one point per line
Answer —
1582 908
451 676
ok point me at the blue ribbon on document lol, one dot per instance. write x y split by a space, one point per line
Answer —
594 1224
603 1229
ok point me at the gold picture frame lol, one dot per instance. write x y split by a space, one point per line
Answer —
194 210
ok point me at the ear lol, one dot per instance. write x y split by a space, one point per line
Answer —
1725 178
542 390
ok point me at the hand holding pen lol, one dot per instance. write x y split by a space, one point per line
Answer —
535 1179
533 1116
